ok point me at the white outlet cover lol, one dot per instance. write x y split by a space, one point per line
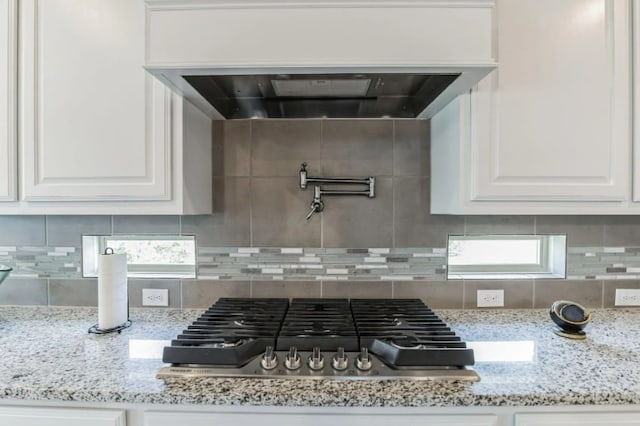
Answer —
155 297
490 298
627 297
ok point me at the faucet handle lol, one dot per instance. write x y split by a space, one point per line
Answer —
316 207
303 175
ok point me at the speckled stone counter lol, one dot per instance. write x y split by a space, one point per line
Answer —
46 354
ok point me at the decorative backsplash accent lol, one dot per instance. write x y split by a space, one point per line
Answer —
603 263
321 264
42 262
325 264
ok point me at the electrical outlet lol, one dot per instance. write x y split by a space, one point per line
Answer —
155 297
627 297
490 298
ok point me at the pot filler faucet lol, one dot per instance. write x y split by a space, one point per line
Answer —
317 205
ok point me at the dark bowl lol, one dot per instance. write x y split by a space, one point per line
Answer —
4 272
569 316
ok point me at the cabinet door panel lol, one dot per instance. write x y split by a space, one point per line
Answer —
578 419
94 124
553 122
36 416
635 45
8 105
315 418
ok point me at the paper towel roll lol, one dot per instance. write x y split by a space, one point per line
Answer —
113 304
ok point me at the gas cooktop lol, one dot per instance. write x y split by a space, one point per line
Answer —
319 339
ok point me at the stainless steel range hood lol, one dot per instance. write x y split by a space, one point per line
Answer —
321 95
319 58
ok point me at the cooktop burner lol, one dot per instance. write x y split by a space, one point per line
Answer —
319 338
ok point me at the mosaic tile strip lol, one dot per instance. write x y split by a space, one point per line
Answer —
603 263
318 264
328 264
42 262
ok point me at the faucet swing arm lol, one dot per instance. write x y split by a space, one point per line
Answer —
317 205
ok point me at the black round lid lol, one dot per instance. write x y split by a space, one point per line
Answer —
572 313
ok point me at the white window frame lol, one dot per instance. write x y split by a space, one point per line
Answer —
551 255
94 245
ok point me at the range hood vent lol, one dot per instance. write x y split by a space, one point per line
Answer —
319 58
321 87
320 95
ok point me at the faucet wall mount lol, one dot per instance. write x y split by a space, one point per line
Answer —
317 205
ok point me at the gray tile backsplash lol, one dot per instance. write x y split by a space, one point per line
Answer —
230 223
254 243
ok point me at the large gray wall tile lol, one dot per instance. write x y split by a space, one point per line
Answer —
230 223
73 292
610 287
411 148
146 225
582 231
414 225
23 291
231 147
288 289
588 292
359 221
357 289
278 212
436 294
135 290
516 225
68 230
22 230
517 294
280 146
204 293
357 148
622 231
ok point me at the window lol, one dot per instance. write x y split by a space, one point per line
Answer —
506 256
147 256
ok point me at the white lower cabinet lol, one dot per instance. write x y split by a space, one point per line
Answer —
316 418
578 419
40 416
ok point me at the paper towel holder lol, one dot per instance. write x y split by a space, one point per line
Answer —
118 329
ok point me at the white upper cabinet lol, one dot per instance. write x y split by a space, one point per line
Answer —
636 100
97 133
8 101
549 131
93 121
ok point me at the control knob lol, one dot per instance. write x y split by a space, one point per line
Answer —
340 361
316 360
292 359
269 360
363 360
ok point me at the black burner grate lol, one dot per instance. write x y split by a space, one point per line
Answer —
323 323
406 333
229 333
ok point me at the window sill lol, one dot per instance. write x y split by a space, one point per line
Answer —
522 276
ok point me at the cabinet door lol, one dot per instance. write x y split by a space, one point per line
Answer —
578 419
94 125
553 122
35 416
8 104
316 418
636 100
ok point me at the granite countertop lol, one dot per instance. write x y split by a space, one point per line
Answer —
47 354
